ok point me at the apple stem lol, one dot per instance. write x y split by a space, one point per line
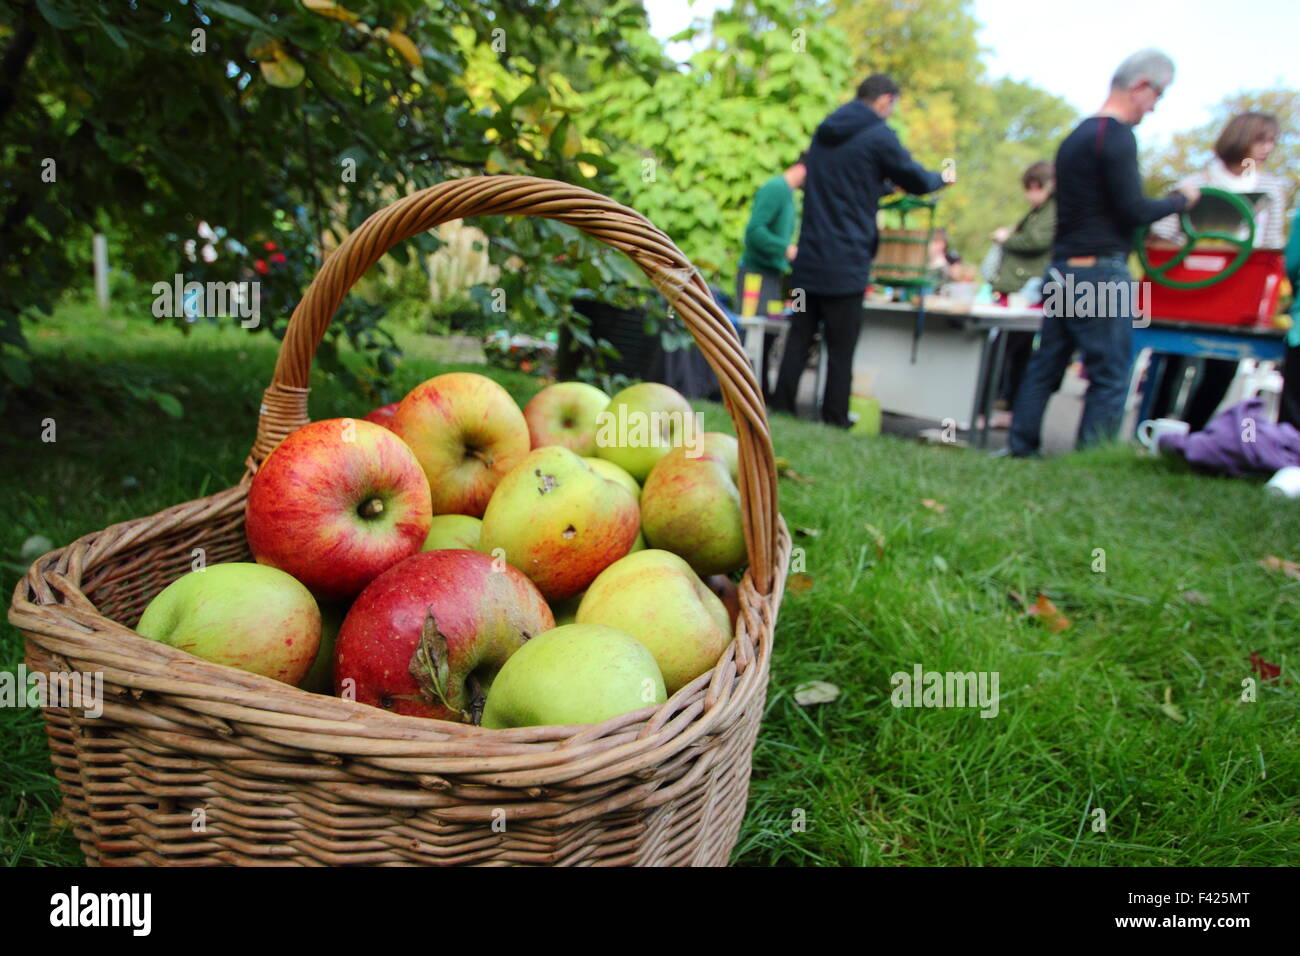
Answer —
371 508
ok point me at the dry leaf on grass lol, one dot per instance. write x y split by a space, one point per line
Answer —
936 506
878 539
1290 568
1263 668
1194 597
783 470
807 532
1170 709
800 582
1048 613
815 692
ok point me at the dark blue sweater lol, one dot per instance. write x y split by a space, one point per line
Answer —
853 161
1099 198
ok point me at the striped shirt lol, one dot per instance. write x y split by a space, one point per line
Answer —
1270 214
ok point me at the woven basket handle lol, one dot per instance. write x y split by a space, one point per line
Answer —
284 404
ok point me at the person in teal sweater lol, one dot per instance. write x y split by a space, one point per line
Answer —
768 252
1289 411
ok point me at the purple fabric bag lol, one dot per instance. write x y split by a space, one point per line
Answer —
1224 444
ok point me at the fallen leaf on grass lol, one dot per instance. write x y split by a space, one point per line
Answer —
815 692
783 470
1170 709
878 539
1194 597
800 582
1019 599
1049 614
935 506
807 532
1290 568
59 821
1263 668
940 563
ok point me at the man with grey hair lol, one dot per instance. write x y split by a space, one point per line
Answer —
1089 297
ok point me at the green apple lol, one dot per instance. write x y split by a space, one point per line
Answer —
659 600
691 507
611 471
577 674
320 679
642 423
251 616
559 522
453 531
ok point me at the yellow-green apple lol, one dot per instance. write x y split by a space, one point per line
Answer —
383 415
428 636
641 424
337 503
576 674
453 531
659 600
724 446
565 414
691 507
559 522
320 679
240 614
607 469
467 432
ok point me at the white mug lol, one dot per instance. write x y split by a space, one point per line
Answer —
1286 483
1149 432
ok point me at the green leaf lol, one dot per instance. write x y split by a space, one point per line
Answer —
239 15
169 404
56 16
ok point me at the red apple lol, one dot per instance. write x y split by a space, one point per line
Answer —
336 504
383 415
559 522
566 414
429 635
467 432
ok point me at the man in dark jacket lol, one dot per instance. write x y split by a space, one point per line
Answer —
853 161
1090 300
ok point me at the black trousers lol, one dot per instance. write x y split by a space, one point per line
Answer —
840 319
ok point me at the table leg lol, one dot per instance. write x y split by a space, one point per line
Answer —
754 349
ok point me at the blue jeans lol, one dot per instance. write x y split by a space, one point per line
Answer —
1090 309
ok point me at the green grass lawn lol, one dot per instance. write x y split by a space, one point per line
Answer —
1134 709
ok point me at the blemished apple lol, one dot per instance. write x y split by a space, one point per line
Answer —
467 433
577 674
691 507
240 614
383 415
336 504
559 522
428 636
641 424
320 679
565 414
453 531
656 597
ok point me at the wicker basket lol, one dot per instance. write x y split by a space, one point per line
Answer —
286 777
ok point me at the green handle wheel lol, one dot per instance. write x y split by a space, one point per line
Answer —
1243 245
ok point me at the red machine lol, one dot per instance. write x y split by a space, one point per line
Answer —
1224 282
